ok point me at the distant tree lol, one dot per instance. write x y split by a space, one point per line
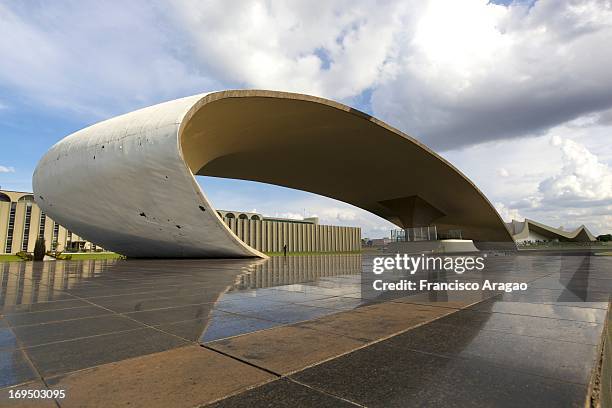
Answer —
605 237
39 249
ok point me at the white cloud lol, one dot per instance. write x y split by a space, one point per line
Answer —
502 172
450 73
508 214
335 49
582 178
7 169
96 59
289 215
554 179
474 71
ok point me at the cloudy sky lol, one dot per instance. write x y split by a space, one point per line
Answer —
517 95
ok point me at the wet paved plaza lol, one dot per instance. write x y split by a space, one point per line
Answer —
299 330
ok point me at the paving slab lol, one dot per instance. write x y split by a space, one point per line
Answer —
378 321
533 326
24 319
560 360
15 368
34 335
383 376
582 314
282 393
184 377
286 349
7 401
72 355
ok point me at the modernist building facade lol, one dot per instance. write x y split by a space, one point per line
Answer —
268 234
529 231
22 222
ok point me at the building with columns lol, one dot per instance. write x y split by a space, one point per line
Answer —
22 222
268 234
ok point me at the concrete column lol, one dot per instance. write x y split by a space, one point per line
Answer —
313 242
34 226
314 238
62 234
325 238
18 227
264 236
309 238
240 227
5 208
258 233
246 237
49 232
252 233
285 236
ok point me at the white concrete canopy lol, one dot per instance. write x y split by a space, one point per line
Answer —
128 183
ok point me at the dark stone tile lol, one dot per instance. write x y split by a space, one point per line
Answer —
289 296
220 325
595 300
14 368
174 314
383 376
126 303
96 292
291 313
553 329
179 292
164 303
573 284
228 325
282 393
63 357
7 339
248 304
190 330
337 303
47 296
45 306
71 329
22 319
582 314
559 360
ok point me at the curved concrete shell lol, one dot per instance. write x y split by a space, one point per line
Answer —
530 230
128 183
